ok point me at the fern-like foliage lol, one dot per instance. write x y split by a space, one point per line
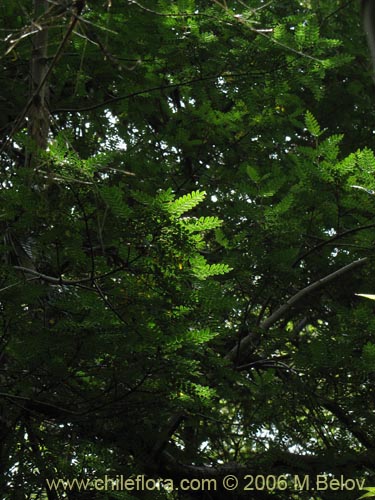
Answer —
202 269
366 160
306 35
185 203
370 492
312 124
113 197
201 224
275 212
200 336
164 197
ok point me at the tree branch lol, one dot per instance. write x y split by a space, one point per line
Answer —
349 423
330 240
309 289
279 461
164 436
246 342
34 405
60 281
51 279
151 89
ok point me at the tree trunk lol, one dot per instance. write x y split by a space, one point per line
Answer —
38 115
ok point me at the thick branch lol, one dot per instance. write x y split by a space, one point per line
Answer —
368 20
349 424
279 461
165 435
309 289
246 342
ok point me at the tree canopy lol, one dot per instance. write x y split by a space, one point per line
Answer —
187 217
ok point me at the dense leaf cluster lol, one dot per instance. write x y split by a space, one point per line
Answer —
187 215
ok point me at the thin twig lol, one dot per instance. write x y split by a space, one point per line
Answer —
51 279
16 284
115 99
263 32
37 405
109 303
330 240
60 281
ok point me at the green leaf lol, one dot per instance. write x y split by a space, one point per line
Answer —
370 492
201 224
368 356
253 173
366 159
186 5
113 196
312 124
185 203
202 270
200 336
